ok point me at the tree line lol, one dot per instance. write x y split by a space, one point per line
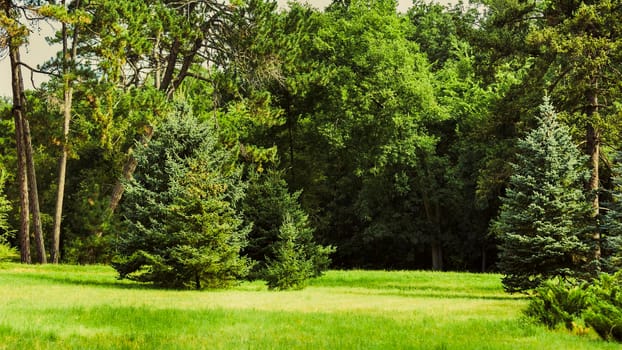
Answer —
383 139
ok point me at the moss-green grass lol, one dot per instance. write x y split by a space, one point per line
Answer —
85 307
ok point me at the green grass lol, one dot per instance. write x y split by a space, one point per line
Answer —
77 307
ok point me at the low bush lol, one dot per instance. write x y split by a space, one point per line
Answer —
558 302
604 313
597 305
8 253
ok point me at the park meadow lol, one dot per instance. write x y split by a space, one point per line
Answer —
87 307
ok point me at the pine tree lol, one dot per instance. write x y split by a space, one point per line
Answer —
182 225
543 225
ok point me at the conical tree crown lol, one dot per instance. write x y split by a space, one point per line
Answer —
543 221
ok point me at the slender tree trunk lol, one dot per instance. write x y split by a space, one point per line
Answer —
128 171
68 57
26 165
433 218
593 139
33 193
22 178
62 171
17 85
437 256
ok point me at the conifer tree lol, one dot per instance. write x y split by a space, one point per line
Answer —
612 224
543 225
182 225
281 240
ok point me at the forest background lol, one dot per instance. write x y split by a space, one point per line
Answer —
394 131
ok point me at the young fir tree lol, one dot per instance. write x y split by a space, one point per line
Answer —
182 225
543 225
611 240
290 267
281 240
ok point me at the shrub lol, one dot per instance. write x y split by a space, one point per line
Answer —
604 313
6 251
558 302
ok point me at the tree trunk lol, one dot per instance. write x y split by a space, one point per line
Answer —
62 163
22 179
128 171
593 136
18 116
437 256
33 192
433 218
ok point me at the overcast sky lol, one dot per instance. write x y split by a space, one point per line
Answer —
38 51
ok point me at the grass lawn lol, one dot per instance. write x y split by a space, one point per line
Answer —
85 307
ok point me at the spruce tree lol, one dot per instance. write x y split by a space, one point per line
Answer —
612 223
281 240
183 228
543 225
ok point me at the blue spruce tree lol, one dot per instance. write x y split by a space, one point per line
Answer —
543 227
182 225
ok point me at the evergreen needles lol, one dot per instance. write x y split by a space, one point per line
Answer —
543 226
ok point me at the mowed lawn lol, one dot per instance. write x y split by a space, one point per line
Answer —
86 307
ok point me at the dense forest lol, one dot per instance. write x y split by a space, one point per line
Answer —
359 135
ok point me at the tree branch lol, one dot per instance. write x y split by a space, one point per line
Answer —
34 70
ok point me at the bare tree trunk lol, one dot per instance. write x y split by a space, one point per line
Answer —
128 171
593 139
33 193
29 199
437 256
117 191
22 179
68 57
433 218
18 116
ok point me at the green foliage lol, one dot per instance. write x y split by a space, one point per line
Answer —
182 225
543 225
597 305
6 251
281 235
290 268
558 302
5 208
604 313
611 242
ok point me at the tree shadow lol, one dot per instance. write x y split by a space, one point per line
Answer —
78 281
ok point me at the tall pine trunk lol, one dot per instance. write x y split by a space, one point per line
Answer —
17 85
68 58
27 177
22 179
33 191
593 139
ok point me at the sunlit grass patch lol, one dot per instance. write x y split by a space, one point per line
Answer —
86 307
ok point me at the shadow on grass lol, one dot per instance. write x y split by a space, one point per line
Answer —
435 294
77 281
